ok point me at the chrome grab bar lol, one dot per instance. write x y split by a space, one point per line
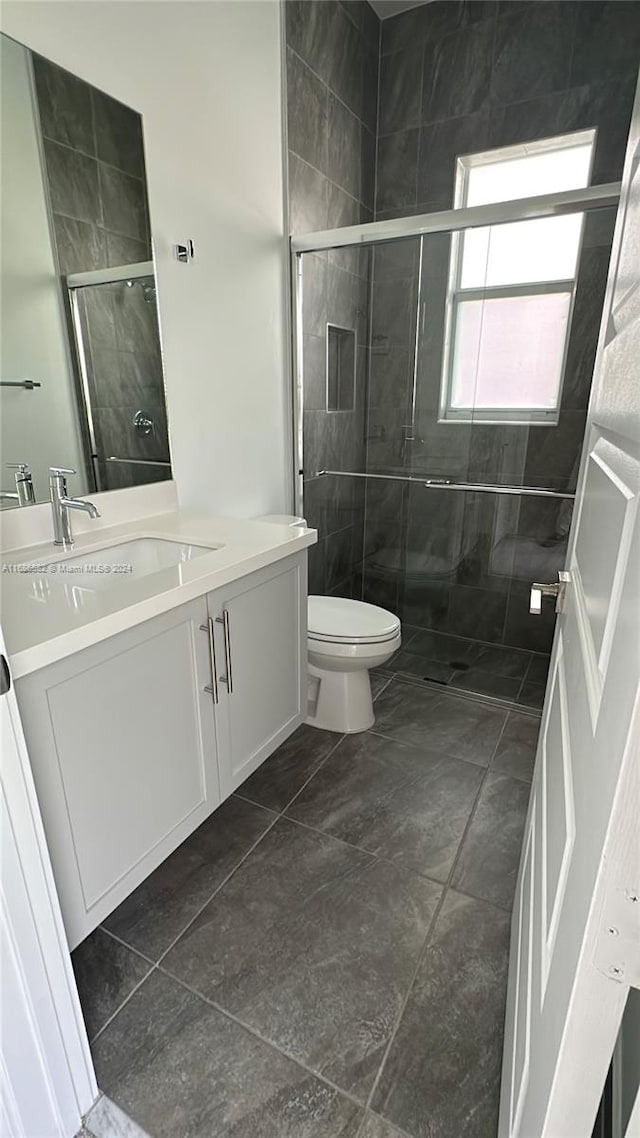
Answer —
445 484
138 461
224 621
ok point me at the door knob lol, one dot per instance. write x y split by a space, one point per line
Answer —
538 591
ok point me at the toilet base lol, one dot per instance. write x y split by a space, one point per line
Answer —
342 700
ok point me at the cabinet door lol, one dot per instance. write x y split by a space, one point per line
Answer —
122 742
260 648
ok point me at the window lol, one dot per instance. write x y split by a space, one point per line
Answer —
511 286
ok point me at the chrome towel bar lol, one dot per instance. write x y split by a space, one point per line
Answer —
28 384
138 461
444 484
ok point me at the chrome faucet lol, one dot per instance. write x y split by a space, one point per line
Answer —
61 503
24 495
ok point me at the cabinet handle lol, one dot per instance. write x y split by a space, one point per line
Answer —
224 621
212 688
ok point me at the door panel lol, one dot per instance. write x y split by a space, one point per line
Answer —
115 739
557 821
123 747
600 560
580 860
47 1081
266 641
524 974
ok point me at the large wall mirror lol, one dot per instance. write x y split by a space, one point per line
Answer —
81 381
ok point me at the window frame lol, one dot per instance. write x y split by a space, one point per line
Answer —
518 416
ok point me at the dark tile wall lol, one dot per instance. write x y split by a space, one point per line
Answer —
94 161
457 77
332 91
95 167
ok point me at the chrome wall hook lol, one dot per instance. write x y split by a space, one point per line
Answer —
185 252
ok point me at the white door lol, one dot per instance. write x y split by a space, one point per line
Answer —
580 870
46 1075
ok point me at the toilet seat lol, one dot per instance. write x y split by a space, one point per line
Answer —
338 620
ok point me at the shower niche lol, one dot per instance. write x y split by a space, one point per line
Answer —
341 368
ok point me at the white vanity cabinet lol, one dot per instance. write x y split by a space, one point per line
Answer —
123 750
258 630
132 748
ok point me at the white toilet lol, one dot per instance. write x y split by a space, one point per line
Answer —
346 638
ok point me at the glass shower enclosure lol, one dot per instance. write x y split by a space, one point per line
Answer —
439 431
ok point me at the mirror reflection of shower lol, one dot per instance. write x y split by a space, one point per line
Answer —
116 336
148 286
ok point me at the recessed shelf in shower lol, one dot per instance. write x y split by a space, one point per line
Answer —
341 368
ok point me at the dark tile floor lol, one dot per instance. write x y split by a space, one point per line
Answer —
511 675
326 956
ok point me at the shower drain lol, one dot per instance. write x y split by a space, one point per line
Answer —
457 665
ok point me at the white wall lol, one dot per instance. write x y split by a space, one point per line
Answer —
206 77
40 426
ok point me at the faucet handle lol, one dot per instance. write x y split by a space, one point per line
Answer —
55 470
21 467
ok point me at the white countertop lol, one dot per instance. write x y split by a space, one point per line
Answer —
46 617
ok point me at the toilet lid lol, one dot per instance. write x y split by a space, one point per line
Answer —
350 622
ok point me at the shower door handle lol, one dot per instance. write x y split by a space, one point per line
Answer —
538 591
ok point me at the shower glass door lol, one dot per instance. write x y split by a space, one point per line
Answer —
446 487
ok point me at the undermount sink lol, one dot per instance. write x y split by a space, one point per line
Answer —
116 564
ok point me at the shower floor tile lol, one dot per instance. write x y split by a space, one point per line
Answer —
532 695
313 967
486 683
407 663
511 675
